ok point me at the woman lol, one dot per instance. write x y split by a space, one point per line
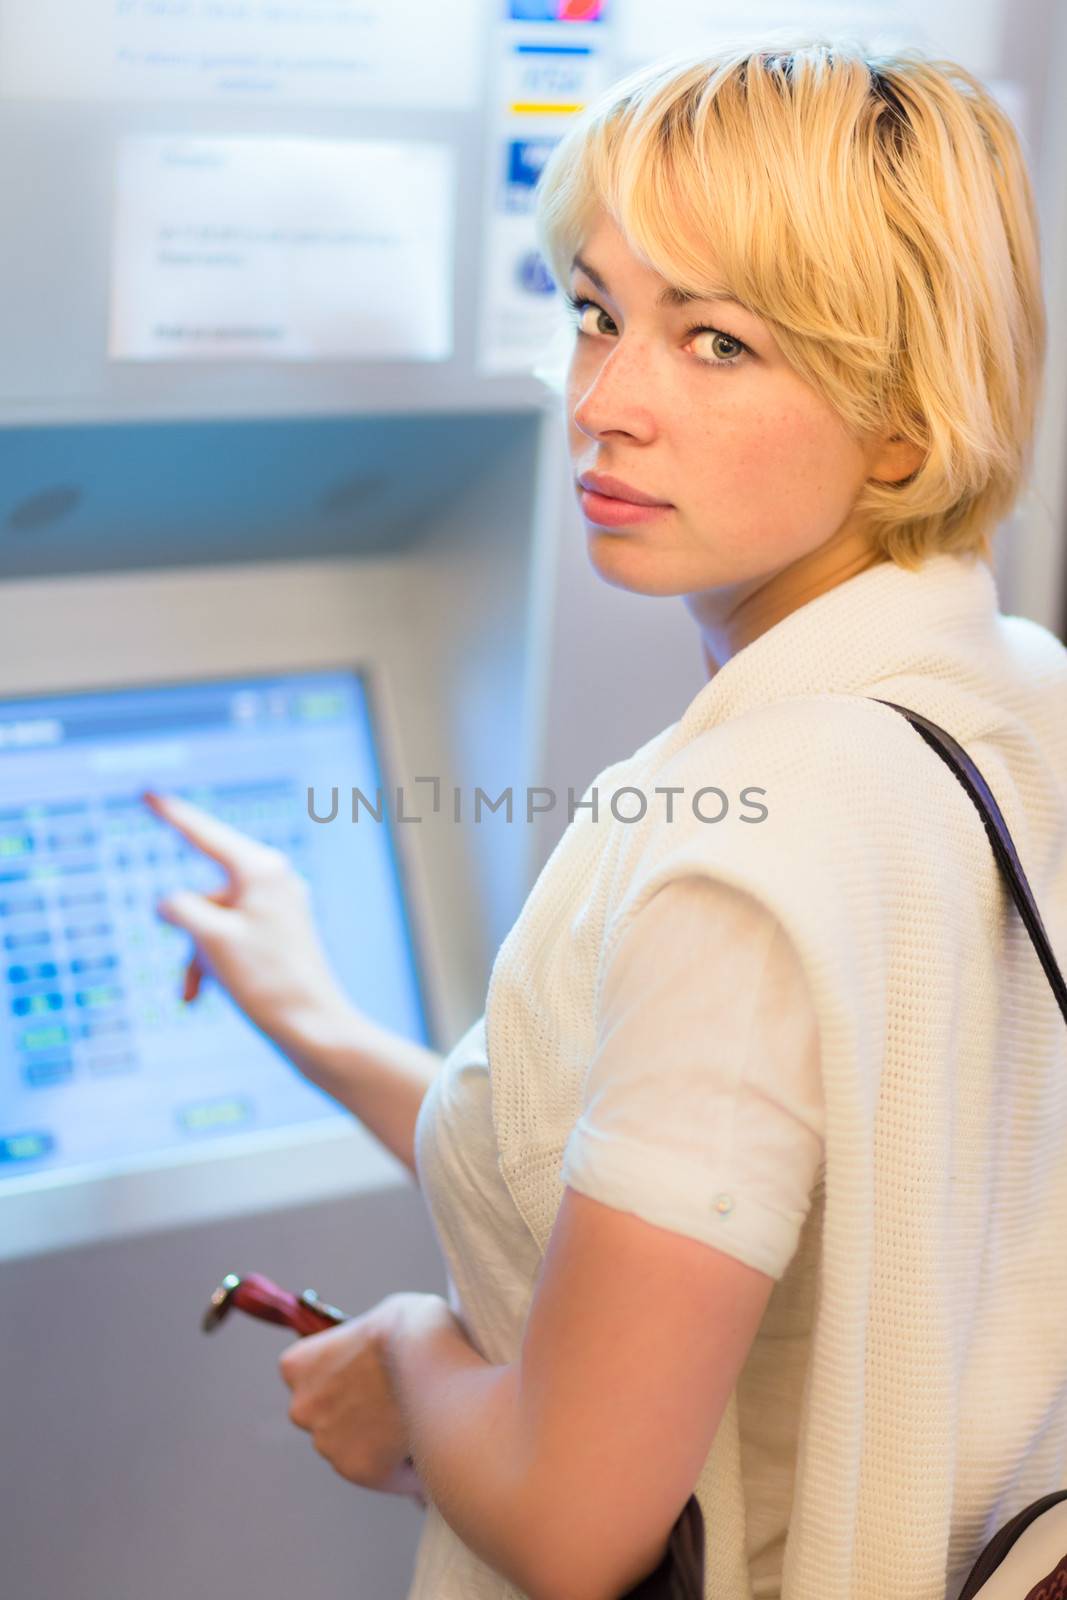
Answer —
767 1197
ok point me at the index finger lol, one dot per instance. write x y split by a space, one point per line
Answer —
233 849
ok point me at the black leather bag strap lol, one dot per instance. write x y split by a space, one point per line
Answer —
999 837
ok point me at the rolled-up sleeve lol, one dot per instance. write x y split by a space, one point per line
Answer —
703 1108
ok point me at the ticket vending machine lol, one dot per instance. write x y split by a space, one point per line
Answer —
284 510
149 1146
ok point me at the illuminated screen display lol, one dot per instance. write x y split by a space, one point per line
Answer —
102 1064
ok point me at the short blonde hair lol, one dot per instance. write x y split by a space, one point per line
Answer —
877 212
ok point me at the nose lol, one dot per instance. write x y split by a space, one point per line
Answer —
614 396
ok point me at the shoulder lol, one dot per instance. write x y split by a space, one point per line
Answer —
828 717
817 798
810 744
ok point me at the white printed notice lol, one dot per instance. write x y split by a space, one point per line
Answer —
326 52
282 249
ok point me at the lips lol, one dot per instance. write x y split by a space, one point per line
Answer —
615 489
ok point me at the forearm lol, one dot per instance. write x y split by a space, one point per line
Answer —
518 1495
378 1075
466 1436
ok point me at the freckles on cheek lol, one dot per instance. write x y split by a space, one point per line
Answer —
745 463
770 478
791 452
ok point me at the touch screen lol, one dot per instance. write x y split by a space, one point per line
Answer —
101 1061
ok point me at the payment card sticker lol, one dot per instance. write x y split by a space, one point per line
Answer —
558 10
524 162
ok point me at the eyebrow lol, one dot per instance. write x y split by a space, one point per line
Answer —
667 297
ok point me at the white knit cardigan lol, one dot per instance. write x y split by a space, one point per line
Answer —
935 1404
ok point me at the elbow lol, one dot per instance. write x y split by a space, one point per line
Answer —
543 1588
587 1576
571 1542
573 1590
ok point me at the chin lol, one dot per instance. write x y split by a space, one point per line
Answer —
618 560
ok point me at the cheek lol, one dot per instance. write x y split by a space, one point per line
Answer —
791 460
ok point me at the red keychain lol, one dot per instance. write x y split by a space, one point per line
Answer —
260 1297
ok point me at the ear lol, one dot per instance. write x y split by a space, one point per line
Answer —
896 458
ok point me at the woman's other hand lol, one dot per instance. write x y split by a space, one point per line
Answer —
256 935
344 1397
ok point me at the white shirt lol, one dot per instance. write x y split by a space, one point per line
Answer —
705 1082
934 1403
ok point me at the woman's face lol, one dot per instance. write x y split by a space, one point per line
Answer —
758 470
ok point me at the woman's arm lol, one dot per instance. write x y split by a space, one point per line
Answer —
257 938
378 1075
566 1469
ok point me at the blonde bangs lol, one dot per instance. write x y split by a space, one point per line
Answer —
877 213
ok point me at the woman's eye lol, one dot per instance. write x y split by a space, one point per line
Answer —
580 307
719 356
723 349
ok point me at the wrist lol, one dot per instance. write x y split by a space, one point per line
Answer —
404 1317
412 1325
323 1037
380 1076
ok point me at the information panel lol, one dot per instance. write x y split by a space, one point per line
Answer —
299 249
253 52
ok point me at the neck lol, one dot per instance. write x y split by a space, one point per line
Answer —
732 615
